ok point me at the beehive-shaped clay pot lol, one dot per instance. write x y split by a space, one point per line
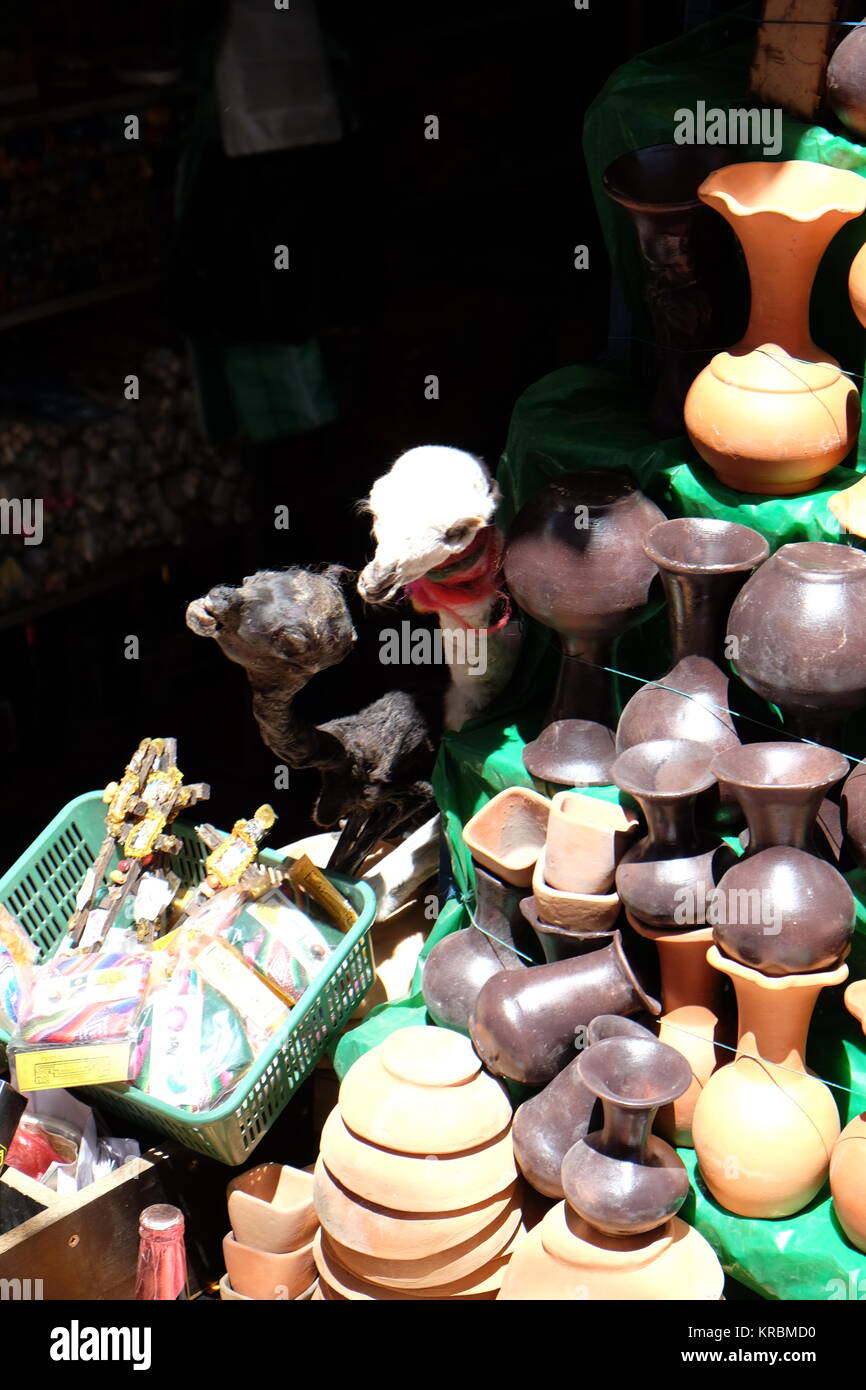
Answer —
340 1283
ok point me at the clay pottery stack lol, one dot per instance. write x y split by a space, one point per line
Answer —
505 839
617 1235
575 562
526 1024
703 564
775 414
800 643
269 1250
416 1186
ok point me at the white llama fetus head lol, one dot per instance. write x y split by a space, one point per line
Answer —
426 509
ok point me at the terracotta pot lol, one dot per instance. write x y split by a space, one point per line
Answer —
586 838
578 912
416 1184
264 1276
666 878
703 565
422 1091
846 85
764 1127
692 1003
848 1181
785 213
781 788
857 285
525 1022
622 1179
459 965
801 643
339 1283
271 1207
432 1271
561 943
680 248
549 1124
399 1235
508 833
772 424
563 1258
855 1001
575 562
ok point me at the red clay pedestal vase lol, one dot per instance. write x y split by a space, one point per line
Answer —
549 1124
764 1127
846 82
668 877
679 245
692 1002
459 965
622 1179
575 562
800 637
526 1022
703 564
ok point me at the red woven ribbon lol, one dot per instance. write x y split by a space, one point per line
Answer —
470 578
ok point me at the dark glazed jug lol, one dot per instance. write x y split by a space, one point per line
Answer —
525 1022
575 562
622 1179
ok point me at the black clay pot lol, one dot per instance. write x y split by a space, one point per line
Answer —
549 1124
525 1023
854 814
846 82
622 1179
460 964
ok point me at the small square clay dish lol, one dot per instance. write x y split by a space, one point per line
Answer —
507 835
271 1208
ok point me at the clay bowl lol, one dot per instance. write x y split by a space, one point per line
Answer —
271 1208
507 835
412 1183
448 1267
422 1091
264 1276
399 1235
579 912
340 1283
586 838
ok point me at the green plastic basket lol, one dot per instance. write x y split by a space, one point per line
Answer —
40 890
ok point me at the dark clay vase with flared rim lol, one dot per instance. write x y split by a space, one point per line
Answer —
800 636
461 963
525 1023
575 562
622 1179
549 1124
703 565
781 909
680 246
665 880
560 943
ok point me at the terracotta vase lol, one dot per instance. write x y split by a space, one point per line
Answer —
586 838
507 835
525 1022
703 564
562 943
846 82
800 637
665 880
575 562
692 1003
459 965
848 1180
764 1127
547 1125
578 912
564 1258
784 213
622 1179
681 250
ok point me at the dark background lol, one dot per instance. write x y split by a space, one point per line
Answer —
410 257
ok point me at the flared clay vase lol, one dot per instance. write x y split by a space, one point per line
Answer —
764 1127
785 214
564 1258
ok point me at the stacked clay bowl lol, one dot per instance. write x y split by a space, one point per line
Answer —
416 1187
269 1249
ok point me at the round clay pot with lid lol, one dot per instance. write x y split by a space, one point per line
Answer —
422 1091
770 423
800 637
622 1179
